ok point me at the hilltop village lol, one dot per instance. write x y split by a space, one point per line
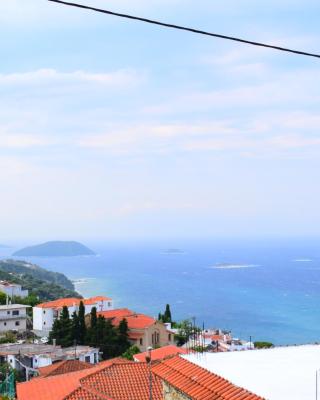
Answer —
74 349
47 351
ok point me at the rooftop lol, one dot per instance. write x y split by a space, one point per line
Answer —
13 306
198 383
115 379
161 353
64 367
292 370
135 321
69 302
31 349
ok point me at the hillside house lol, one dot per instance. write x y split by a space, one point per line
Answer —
13 289
144 331
45 314
13 317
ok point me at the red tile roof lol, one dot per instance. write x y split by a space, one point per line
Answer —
69 302
161 353
55 387
118 313
64 367
135 321
127 381
198 383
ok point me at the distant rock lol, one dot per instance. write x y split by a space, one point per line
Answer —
55 249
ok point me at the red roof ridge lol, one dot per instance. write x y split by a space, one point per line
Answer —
222 388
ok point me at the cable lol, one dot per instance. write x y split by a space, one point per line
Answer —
183 28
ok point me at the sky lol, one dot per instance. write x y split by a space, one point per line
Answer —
115 129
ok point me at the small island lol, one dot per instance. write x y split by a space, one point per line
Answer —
55 249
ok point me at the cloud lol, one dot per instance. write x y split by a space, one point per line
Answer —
122 78
18 141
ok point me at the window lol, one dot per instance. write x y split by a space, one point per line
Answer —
87 359
109 304
5 324
44 323
17 323
169 337
15 312
141 342
8 312
44 311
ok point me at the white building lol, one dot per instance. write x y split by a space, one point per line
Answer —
13 317
45 314
30 357
13 289
280 373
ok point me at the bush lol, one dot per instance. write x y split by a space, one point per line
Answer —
263 345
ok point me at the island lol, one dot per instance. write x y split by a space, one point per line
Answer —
55 249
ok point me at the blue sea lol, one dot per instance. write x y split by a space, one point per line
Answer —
266 289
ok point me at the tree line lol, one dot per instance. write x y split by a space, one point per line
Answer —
98 332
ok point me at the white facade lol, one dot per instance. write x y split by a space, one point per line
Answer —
45 314
13 289
13 317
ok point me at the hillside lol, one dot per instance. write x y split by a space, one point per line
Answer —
55 249
47 285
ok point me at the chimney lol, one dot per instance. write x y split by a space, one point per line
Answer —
54 341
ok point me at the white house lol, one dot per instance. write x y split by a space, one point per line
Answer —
45 314
13 289
13 317
30 357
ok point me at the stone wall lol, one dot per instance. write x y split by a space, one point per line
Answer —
170 393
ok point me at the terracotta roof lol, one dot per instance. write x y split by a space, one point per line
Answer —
161 353
126 381
63 367
198 383
118 313
135 321
55 387
69 302
94 300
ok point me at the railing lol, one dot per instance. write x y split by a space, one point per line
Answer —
7 387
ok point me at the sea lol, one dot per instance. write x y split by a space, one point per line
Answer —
266 289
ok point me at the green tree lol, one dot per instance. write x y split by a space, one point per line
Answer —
167 314
132 350
62 329
123 336
82 324
75 327
92 334
55 332
3 298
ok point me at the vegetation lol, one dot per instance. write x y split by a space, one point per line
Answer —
166 317
23 268
99 332
9 337
263 345
43 285
131 352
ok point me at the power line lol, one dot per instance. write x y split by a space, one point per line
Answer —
183 28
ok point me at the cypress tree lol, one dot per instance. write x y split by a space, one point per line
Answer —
92 334
75 327
55 333
65 328
82 324
167 314
123 337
